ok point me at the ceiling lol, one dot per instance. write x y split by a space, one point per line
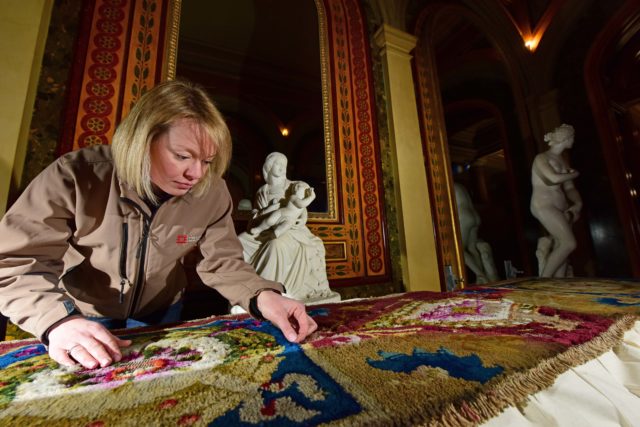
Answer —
466 59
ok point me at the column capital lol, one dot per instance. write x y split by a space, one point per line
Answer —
391 38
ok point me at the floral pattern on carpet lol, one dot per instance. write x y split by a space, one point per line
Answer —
371 361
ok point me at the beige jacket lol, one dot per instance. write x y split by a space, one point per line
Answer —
77 238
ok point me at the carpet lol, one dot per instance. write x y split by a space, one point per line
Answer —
602 296
423 358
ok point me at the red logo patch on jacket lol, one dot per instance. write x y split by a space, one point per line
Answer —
183 239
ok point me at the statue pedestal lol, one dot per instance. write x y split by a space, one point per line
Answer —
328 297
236 309
323 299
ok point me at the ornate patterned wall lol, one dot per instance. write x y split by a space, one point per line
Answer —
361 232
124 38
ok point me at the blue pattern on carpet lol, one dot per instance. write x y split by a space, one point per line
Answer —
616 302
22 354
466 367
337 402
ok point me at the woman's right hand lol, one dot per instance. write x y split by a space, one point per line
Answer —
289 315
78 340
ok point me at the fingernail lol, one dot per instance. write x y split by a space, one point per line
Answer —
291 337
105 362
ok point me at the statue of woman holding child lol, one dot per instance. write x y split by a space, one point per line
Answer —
278 244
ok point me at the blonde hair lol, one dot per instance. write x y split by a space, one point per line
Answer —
559 133
153 115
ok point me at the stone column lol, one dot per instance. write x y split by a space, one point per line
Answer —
419 259
23 32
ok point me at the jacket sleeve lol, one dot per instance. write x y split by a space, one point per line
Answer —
222 266
35 233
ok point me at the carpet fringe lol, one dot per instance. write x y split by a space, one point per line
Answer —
517 387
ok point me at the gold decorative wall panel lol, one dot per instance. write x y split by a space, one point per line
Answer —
361 227
143 52
437 162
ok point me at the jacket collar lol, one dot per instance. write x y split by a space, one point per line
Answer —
128 193
130 196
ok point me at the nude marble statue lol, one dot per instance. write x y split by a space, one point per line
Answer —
555 202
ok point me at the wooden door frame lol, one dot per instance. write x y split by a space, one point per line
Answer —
626 20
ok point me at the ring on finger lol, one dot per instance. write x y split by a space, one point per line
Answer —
73 348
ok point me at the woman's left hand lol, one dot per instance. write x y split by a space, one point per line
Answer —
287 314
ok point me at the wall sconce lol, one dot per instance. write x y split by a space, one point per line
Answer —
531 43
285 132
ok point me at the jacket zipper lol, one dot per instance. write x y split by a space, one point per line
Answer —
141 253
124 281
140 256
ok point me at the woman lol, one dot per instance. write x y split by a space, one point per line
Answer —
555 202
297 257
98 237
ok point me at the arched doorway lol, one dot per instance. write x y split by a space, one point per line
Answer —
469 126
612 75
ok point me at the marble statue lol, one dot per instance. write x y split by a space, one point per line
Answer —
281 219
278 243
477 253
556 203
